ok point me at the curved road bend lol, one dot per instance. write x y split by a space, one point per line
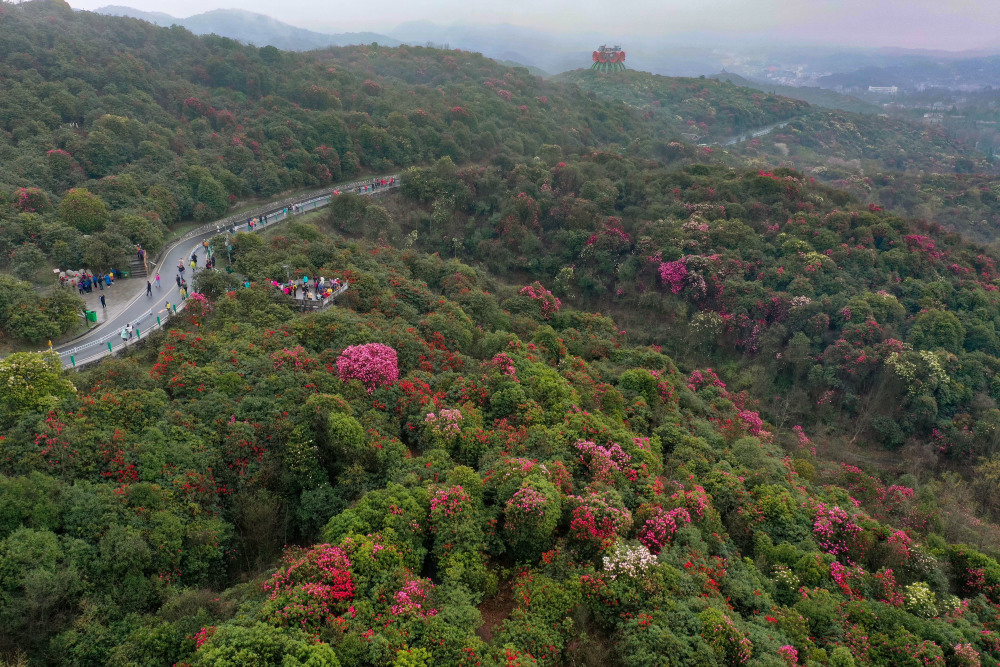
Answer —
143 310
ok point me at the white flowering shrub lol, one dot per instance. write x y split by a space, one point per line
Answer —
628 561
920 600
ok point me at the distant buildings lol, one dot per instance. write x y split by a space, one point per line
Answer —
883 90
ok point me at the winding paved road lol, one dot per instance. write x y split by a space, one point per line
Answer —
143 311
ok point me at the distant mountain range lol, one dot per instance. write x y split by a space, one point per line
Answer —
251 28
921 73
539 50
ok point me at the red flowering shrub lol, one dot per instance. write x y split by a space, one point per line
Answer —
598 518
660 529
309 586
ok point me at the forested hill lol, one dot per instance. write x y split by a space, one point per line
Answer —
710 109
111 129
778 446
818 139
251 28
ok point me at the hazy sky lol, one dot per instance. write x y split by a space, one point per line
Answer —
934 24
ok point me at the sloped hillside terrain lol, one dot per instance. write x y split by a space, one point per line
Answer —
589 400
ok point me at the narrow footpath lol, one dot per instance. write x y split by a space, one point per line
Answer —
128 303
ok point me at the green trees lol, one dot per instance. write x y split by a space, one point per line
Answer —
260 644
83 210
30 381
211 200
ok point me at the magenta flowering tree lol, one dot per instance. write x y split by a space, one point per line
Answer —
502 364
31 200
834 529
412 599
789 654
751 422
659 530
530 518
604 461
674 274
548 302
374 364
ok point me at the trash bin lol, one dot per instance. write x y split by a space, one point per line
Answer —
91 315
125 274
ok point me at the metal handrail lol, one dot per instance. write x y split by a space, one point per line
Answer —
272 209
105 339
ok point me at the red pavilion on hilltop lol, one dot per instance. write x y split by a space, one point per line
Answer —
609 59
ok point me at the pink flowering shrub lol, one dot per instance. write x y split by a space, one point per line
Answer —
604 461
696 501
707 378
412 599
658 531
789 654
834 530
886 589
674 274
445 422
31 200
751 421
203 636
549 303
966 656
502 364
449 502
530 518
197 307
598 518
374 364
731 645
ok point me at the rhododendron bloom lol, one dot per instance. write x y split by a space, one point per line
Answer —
659 530
374 364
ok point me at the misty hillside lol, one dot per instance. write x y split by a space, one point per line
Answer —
251 28
816 96
831 142
920 73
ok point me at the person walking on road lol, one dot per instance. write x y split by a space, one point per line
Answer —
149 288
125 335
104 304
177 278
157 280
